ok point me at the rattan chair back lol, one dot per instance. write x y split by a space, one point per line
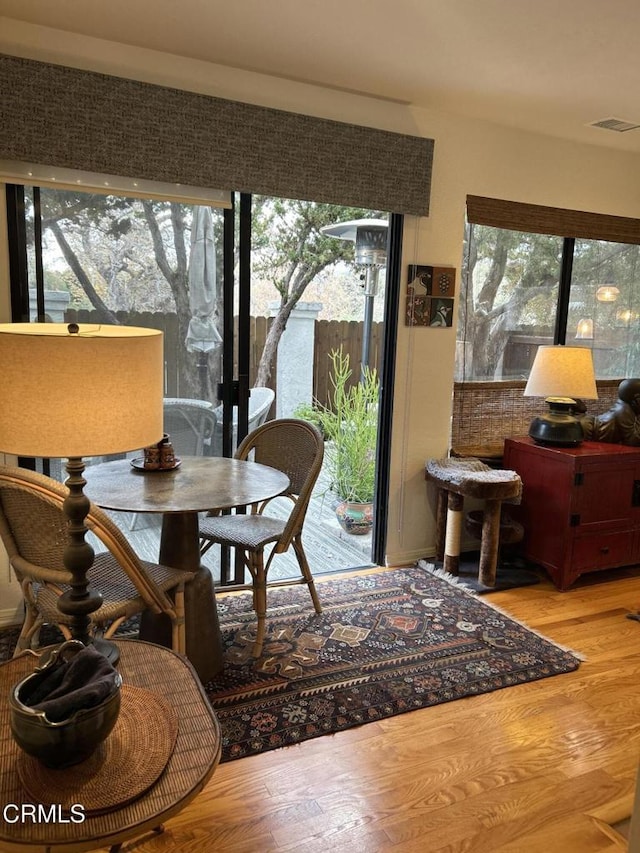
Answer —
34 531
296 448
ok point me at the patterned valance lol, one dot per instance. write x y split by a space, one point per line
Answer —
67 117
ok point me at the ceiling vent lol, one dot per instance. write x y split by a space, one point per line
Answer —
616 124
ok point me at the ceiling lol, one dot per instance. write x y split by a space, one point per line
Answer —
549 66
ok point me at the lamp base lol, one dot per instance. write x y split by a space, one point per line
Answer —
107 649
559 426
79 601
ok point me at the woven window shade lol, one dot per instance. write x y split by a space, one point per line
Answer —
484 413
538 219
70 118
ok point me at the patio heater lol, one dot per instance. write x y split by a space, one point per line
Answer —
370 238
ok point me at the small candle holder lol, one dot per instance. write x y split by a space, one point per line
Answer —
160 456
167 454
152 457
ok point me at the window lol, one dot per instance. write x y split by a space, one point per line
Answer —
511 282
115 259
531 286
604 306
93 257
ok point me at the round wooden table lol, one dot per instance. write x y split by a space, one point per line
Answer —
191 764
199 484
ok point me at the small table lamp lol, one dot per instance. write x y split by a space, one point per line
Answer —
75 391
562 375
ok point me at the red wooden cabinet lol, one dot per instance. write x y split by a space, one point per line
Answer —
580 506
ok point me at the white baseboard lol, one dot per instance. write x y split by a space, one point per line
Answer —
11 616
408 558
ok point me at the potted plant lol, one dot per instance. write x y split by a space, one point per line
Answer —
350 425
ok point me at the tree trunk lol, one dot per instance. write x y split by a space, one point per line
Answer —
270 350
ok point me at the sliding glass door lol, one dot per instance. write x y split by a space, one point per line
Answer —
255 300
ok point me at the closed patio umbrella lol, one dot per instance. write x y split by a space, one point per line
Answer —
202 334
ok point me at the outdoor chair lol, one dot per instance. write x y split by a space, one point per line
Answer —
296 448
34 531
191 425
260 401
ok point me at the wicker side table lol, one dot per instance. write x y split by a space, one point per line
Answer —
190 766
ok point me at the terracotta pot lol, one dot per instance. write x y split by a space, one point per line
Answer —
356 518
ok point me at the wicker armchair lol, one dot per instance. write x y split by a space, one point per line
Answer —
296 448
33 529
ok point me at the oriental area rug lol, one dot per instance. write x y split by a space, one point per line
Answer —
386 643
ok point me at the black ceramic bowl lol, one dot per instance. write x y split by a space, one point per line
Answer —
72 740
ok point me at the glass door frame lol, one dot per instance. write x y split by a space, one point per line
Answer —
235 390
387 384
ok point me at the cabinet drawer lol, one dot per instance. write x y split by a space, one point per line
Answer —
602 551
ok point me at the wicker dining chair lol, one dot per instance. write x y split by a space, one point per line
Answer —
296 448
34 531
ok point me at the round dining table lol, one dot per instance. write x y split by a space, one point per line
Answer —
200 483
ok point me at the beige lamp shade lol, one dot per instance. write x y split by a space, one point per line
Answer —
560 371
79 390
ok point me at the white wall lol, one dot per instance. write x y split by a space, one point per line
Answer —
479 159
471 157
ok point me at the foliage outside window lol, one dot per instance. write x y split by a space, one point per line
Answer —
350 424
113 254
511 302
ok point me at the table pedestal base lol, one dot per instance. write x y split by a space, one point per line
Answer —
204 642
179 547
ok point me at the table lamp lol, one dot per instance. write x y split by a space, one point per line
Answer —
563 375
75 391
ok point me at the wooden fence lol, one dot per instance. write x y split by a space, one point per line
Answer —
329 335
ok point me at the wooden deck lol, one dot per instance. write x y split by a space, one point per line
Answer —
328 547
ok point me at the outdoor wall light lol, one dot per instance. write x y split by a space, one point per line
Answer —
625 315
607 293
585 329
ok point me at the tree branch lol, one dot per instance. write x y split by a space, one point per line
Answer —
76 267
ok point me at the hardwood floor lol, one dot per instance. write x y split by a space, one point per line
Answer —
537 768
